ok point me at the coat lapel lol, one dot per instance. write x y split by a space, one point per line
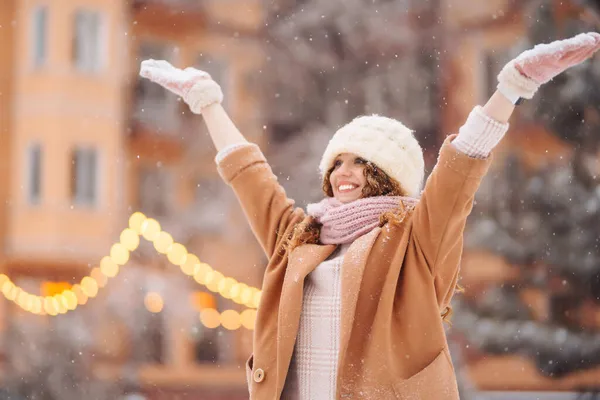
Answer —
353 268
302 261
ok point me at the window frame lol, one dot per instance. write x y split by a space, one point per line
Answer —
39 11
79 58
81 199
30 170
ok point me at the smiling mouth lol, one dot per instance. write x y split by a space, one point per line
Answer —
346 188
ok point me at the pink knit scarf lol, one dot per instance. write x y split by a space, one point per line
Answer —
344 223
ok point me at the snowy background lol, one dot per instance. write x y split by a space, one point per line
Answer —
87 143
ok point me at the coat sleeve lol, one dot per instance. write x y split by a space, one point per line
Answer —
440 217
268 210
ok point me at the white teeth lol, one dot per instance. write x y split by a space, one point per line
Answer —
346 187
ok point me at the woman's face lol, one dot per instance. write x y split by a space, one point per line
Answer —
347 178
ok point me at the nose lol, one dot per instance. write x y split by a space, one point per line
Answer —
344 170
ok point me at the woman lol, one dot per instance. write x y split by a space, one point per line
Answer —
357 287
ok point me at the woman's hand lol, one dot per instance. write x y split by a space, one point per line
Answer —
195 87
522 76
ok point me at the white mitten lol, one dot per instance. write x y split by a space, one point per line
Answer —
195 87
523 76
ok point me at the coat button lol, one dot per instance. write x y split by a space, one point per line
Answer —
259 375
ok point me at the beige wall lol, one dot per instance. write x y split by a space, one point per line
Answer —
60 107
7 9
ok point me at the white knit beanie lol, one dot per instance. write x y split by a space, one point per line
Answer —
385 142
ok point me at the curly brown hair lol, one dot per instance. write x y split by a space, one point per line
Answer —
378 183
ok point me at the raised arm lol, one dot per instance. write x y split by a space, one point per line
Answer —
520 79
447 200
241 164
201 93
222 130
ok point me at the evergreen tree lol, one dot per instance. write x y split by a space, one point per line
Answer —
546 222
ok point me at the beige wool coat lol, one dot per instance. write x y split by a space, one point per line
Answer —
396 282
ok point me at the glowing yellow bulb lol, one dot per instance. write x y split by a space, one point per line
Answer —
50 306
7 288
213 287
119 254
130 239
248 318
55 304
108 267
235 290
82 298
239 289
191 265
177 254
21 299
70 299
246 295
203 273
213 279
230 319
225 287
150 229
62 303
28 303
163 242
99 277
89 286
37 305
153 302
136 221
14 293
210 318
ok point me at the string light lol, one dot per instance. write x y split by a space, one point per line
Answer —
130 239
190 265
108 267
230 319
59 299
153 302
248 318
99 277
210 318
163 242
177 254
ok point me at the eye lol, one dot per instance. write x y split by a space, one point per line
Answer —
337 163
359 160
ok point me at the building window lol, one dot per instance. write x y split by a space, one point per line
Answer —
206 343
87 41
155 107
39 35
34 173
206 349
493 61
155 195
84 176
218 68
148 340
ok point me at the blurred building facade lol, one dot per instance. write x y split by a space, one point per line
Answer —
86 143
